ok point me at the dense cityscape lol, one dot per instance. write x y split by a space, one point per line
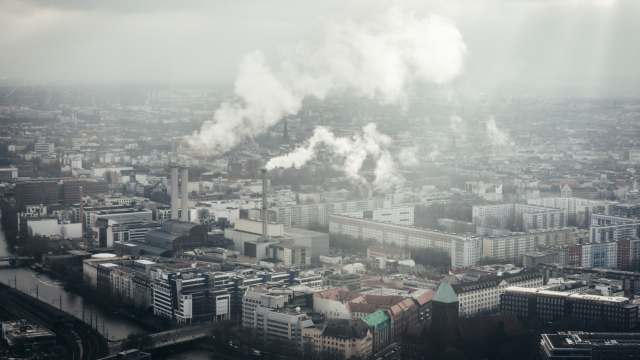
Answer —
365 200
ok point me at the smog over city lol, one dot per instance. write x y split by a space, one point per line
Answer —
371 180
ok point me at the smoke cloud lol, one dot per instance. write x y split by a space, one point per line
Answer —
380 60
354 150
498 138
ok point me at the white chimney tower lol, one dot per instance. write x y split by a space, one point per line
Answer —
185 192
174 191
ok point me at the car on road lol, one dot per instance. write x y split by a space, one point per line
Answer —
165 339
257 353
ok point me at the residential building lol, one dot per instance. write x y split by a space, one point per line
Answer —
511 248
465 250
338 339
380 324
43 147
303 216
484 295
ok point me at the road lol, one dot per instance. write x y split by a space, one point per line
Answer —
172 337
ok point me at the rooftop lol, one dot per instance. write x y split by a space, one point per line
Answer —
445 294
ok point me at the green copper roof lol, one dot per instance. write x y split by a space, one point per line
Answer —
445 294
377 318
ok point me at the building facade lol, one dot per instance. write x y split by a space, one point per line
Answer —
465 250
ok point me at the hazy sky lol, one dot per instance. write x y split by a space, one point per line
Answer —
137 40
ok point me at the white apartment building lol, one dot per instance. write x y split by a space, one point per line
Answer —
575 206
614 232
512 247
303 216
484 295
465 250
394 215
533 216
42 147
492 215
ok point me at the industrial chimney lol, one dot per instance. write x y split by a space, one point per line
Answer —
185 192
174 191
81 212
265 214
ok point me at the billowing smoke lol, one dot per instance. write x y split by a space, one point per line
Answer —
498 138
382 59
353 150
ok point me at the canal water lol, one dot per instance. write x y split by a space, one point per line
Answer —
51 289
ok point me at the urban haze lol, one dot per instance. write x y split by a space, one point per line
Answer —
374 180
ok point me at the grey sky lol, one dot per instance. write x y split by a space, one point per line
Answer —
204 41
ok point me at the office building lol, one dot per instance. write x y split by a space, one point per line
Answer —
578 345
188 298
616 312
35 192
281 329
71 189
465 250
8 174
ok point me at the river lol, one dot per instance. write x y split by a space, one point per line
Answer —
51 289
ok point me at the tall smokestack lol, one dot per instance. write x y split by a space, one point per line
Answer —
81 212
185 192
174 191
264 205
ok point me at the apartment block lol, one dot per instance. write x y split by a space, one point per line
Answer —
511 248
303 216
465 250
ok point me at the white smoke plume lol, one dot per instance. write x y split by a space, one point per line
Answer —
408 157
354 150
382 59
498 138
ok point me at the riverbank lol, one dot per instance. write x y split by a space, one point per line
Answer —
91 295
